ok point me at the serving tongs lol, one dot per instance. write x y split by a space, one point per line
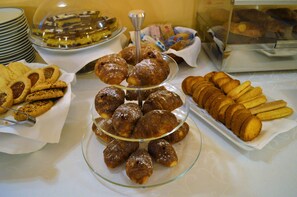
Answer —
9 121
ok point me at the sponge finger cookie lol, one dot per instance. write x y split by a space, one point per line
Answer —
255 102
268 106
227 87
275 114
252 93
236 92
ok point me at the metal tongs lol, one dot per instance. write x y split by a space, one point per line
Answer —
9 121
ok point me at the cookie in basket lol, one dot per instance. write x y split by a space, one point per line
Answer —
45 94
36 76
6 99
20 89
59 84
51 73
34 109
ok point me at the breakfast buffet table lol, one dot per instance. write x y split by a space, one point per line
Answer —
222 168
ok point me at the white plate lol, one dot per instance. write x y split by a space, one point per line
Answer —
13 25
37 41
13 39
43 131
280 52
15 30
24 55
8 15
15 46
270 129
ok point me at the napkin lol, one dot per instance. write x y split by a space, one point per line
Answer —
78 58
47 129
189 54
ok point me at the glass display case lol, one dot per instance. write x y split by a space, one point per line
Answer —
244 36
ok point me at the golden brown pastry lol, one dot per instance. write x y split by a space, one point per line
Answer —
178 135
139 166
111 69
155 123
107 100
117 152
146 52
163 152
162 99
105 124
148 72
125 117
142 94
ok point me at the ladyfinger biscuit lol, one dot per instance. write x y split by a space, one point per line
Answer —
255 102
275 114
268 106
252 93
250 129
236 92
227 87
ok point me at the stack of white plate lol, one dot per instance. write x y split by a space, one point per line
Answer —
14 41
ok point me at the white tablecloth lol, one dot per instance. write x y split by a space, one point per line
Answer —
223 169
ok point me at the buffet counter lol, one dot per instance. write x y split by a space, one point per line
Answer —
222 169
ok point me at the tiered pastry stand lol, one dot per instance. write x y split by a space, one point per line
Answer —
188 150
